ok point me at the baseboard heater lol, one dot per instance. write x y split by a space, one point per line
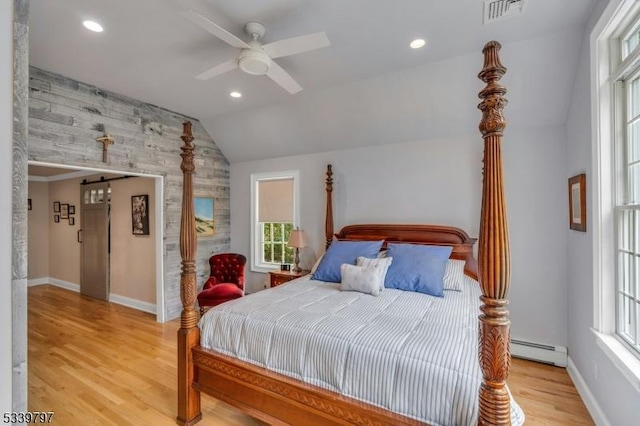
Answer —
554 355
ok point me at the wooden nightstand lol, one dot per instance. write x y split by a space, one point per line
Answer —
281 277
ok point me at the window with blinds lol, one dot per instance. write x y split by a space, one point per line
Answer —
274 207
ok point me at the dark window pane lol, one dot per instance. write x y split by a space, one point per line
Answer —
277 232
288 256
266 232
268 253
287 231
277 252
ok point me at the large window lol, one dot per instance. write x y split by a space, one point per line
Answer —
619 190
627 207
615 184
274 207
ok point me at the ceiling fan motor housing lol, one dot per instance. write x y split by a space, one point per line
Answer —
254 61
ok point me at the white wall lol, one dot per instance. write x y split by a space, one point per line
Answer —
6 166
439 182
619 402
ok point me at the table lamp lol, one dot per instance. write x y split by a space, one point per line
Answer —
298 240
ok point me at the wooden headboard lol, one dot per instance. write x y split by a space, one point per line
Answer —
418 234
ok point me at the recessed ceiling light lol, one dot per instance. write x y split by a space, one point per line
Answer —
235 94
93 26
417 43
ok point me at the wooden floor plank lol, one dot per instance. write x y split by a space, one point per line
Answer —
97 363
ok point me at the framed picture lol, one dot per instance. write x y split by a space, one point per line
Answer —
28 203
205 225
72 221
140 214
56 206
578 203
64 211
56 218
72 209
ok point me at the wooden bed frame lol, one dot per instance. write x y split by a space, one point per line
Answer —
278 399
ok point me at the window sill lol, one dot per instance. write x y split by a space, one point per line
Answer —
621 357
264 269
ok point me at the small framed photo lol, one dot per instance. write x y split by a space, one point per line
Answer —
56 206
29 204
72 209
72 221
56 218
140 214
578 203
64 211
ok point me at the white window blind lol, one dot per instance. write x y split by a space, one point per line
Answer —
275 200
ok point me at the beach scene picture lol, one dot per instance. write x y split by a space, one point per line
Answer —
205 225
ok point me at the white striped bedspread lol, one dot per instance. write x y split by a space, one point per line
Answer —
407 352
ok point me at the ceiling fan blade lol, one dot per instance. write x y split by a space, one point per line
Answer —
280 76
218 69
215 29
295 45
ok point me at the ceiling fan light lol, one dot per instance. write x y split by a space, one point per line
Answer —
254 62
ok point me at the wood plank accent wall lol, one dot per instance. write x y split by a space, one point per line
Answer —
66 117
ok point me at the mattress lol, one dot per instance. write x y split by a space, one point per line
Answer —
407 352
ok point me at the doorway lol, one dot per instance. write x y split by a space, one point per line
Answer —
153 241
95 240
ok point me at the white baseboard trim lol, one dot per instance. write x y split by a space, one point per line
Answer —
65 284
114 298
587 397
38 281
555 355
133 303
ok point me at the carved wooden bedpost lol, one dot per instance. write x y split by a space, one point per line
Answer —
189 333
494 254
328 219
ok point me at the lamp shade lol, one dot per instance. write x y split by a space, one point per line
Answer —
297 239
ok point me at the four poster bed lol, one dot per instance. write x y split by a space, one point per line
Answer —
280 397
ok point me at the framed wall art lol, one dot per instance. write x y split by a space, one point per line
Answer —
140 214
64 211
56 206
205 225
578 203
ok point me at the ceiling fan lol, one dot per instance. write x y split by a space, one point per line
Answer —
254 57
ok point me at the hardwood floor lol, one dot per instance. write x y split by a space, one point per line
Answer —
93 362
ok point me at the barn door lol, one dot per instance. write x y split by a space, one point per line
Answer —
94 276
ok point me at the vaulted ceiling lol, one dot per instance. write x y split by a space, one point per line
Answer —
151 52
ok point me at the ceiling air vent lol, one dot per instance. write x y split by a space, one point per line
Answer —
497 10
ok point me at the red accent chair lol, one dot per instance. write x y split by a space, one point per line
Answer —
226 281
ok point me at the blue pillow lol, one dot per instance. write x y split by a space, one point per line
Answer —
340 252
417 268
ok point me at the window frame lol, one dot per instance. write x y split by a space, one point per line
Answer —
256 229
609 64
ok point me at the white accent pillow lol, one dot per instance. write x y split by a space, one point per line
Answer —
382 262
454 275
361 278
